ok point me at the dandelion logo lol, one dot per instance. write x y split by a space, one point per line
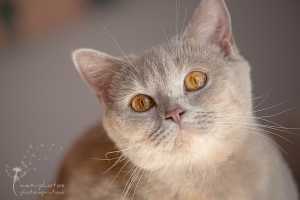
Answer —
26 164
15 173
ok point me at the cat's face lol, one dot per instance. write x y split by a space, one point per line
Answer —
160 74
153 109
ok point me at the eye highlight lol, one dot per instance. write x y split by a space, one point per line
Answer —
195 80
141 103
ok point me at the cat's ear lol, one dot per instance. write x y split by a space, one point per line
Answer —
96 69
211 23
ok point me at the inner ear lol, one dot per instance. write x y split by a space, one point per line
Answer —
211 23
96 69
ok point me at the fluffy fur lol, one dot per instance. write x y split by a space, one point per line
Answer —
216 152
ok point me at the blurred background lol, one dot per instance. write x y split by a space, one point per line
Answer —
45 106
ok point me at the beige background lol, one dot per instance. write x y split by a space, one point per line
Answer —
43 99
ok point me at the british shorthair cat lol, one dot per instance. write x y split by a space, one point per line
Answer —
177 123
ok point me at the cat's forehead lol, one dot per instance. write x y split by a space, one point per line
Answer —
180 54
178 58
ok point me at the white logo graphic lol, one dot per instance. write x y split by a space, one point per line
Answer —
26 164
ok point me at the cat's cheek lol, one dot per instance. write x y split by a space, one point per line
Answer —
125 134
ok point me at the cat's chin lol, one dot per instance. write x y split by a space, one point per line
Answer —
185 135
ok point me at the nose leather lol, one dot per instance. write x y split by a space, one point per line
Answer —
174 114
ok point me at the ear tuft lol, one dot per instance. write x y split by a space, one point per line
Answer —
212 23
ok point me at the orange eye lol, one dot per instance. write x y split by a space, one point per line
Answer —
195 81
141 103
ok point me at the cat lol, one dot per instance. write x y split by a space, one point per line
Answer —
177 123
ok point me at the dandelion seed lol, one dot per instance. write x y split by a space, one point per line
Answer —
23 159
42 145
42 158
52 145
32 169
30 146
59 150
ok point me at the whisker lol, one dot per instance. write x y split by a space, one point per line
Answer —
127 187
130 182
150 176
276 127
131 170
171 30
117 162
183 22
148 184
123 67
117 47
177 15
108 159
176 19
254 98
272 142
120 49
267 116
143 171
117 174
263 131
126 149
110 42
293 128
150 159
164 31
115 177
263 100
281 112
105 159
134 176
264 126
270 107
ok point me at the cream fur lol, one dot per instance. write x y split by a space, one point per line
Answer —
212 155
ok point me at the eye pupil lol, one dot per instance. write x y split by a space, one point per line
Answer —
142 103
194 80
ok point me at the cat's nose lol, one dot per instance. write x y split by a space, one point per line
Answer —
174 114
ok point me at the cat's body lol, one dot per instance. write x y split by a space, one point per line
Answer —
181 114
239 179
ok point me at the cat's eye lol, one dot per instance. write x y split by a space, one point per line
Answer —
141 103
195 80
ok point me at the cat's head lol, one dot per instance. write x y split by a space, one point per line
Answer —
170 104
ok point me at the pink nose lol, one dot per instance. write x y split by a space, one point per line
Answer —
175 114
